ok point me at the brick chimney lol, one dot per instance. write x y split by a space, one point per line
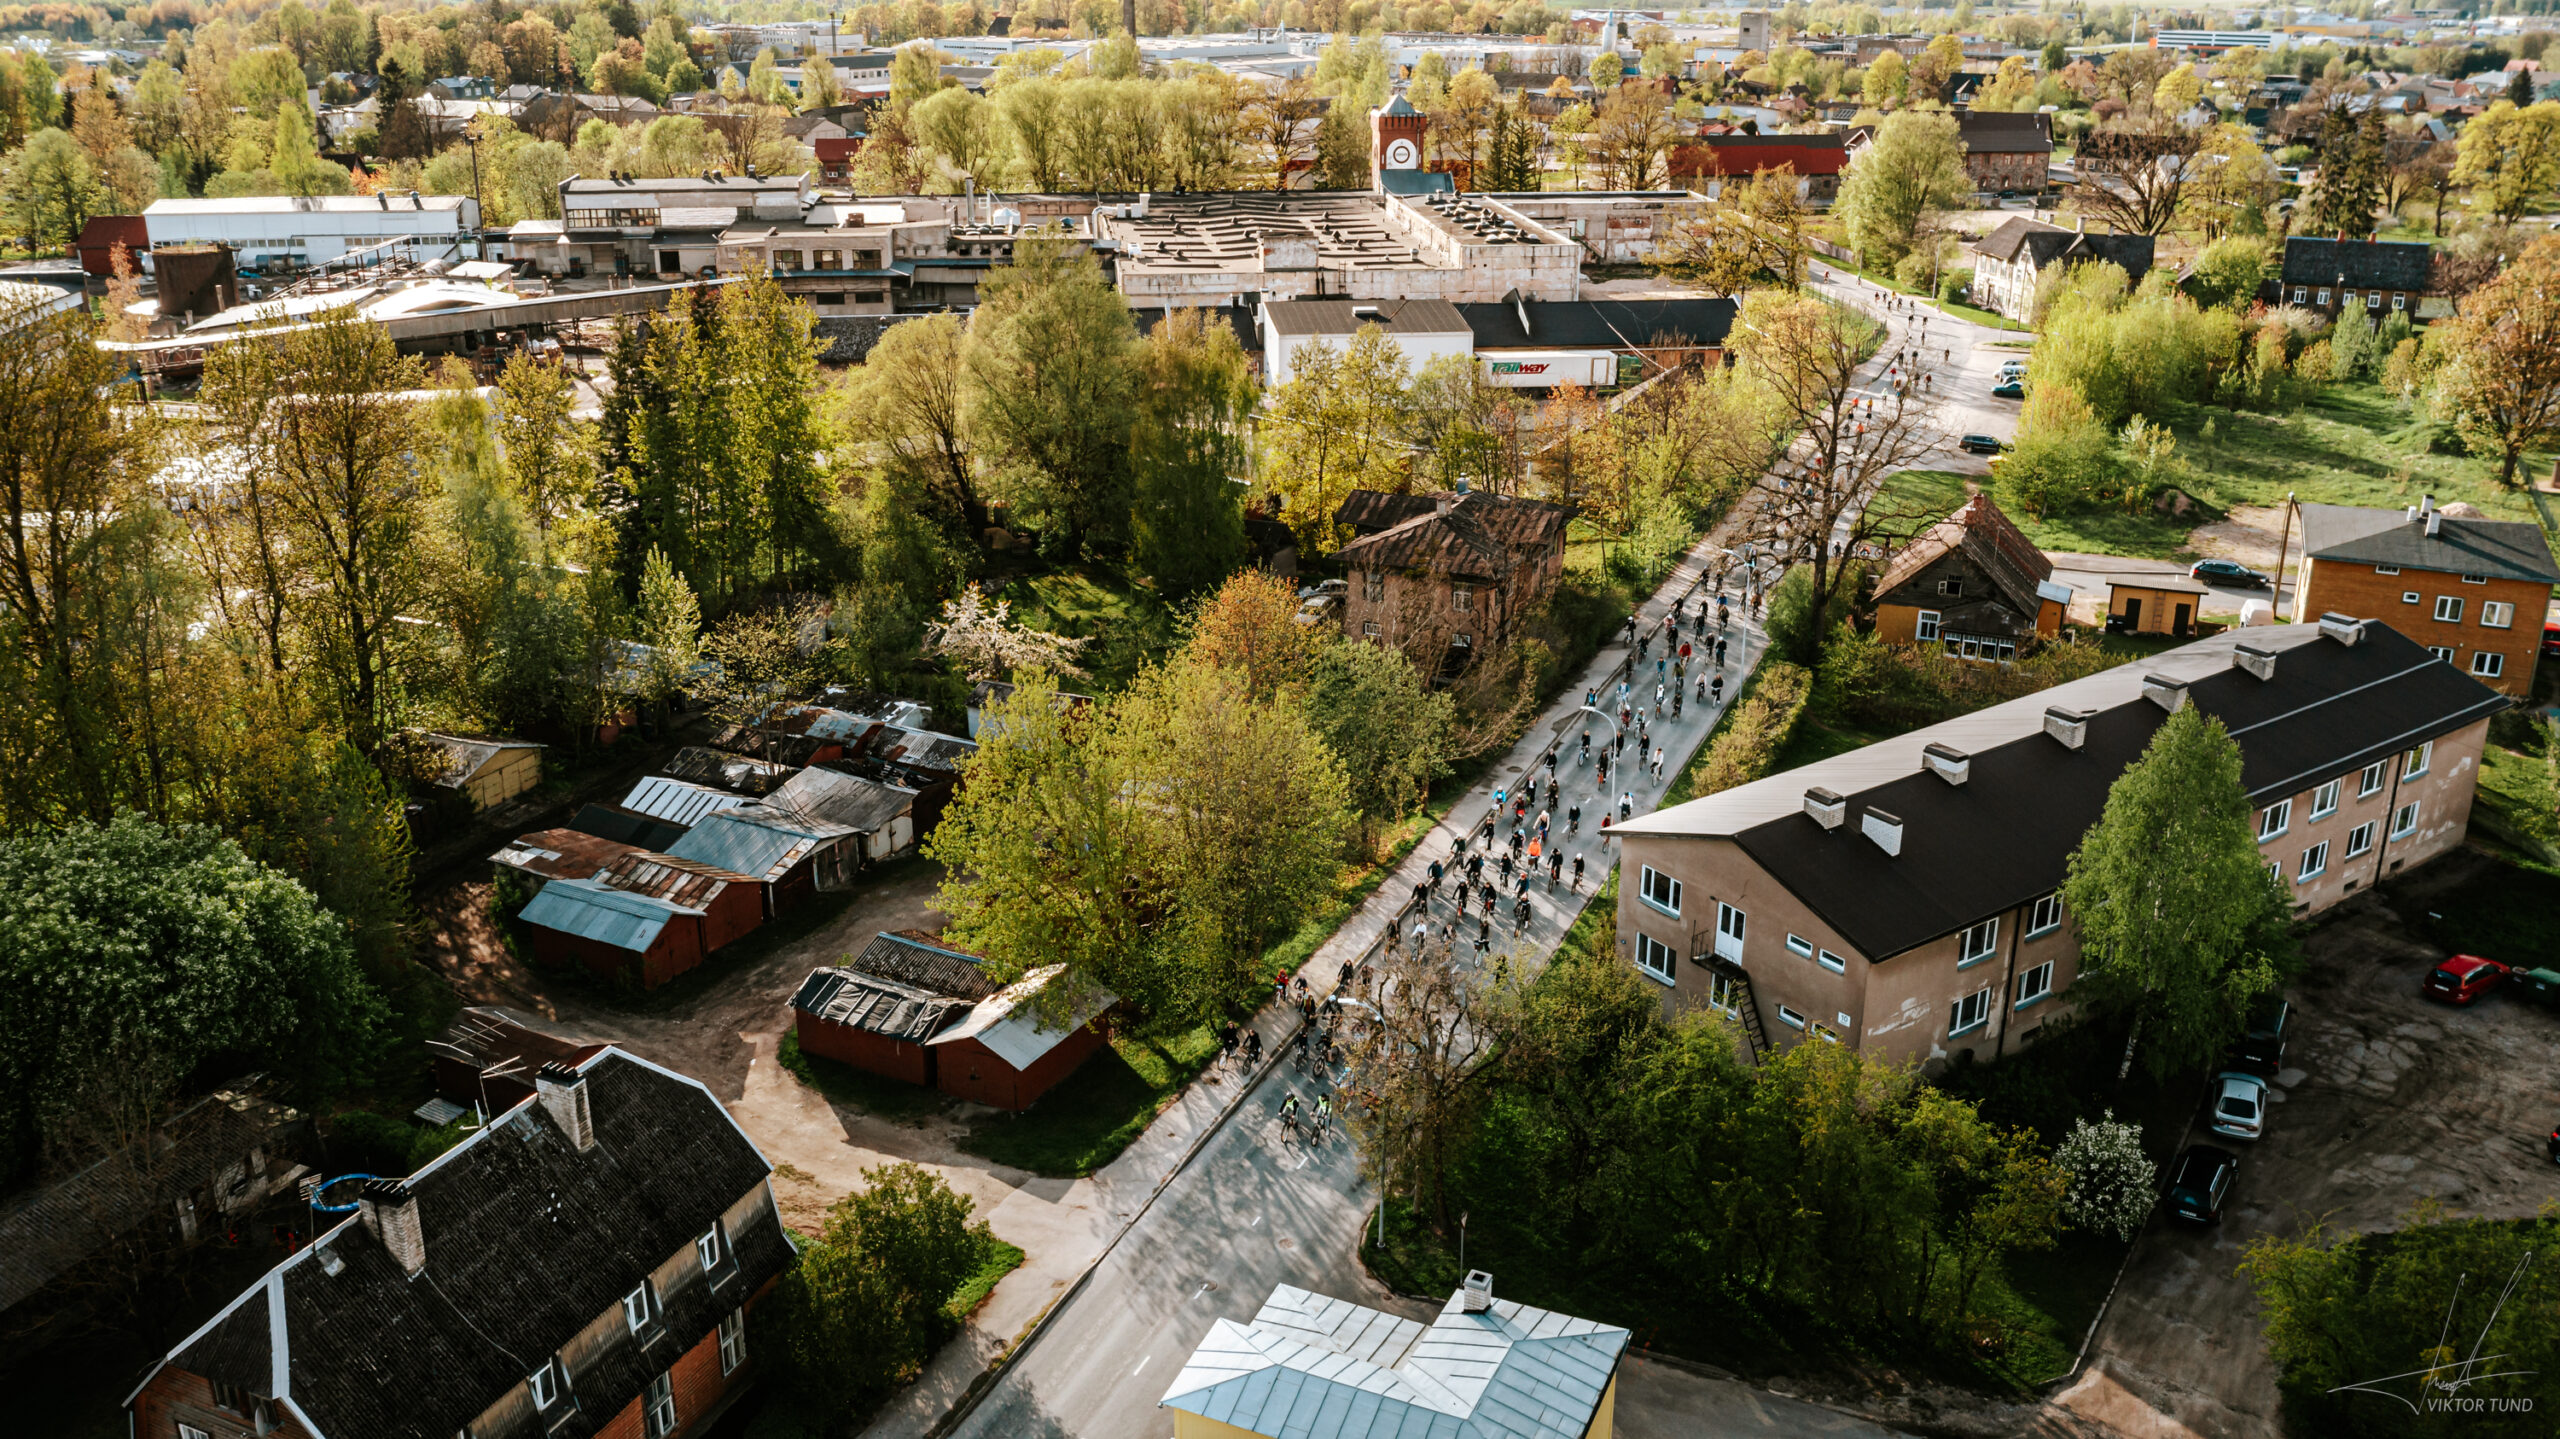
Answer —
389 1208
563 1092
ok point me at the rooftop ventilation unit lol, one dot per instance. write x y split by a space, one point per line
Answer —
1885 829
2069 726
2345 629
2261 663
2168 694
1827 809
1947 763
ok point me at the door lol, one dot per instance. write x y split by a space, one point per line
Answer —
2179 628
2133 615
670 262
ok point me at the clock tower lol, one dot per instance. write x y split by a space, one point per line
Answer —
1395 139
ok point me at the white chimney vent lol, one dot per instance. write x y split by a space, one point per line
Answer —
1885 829
2435 523
563 1092
2256 661
2345 629
1947 763
2069 726
390 1209
1477 1295
2168 694
1828 809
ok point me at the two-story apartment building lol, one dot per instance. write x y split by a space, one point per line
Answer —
1444 577
2008 261
581 1266
1973 583
1905 898
2373 278
2473 591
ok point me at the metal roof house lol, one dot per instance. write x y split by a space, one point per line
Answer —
488 772
680 801
720 905
613 932
914 1009
1308 1366
790 856
881 813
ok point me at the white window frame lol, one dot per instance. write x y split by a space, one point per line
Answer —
1831 962
2497 614
640 1307
1790 1018
2369 783
1651 882
2034 984
1731 925
1369 629
2324 800
1656 960
2297 294
2487 664
1825 1033
1952 587
2324 295
2274 820
733 1340
2415 762
658 1405
1978 1004
2359 840
1925 628
2475 579
2400 301
2045 915
2275 870
2386 569
189 1431
2409 597
1724 994
2442 652
1978 942
1462 598
544 1385
2315 863
1799 946
2405 822
709 1245
2449 609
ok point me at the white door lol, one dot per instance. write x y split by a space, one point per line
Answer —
1728 932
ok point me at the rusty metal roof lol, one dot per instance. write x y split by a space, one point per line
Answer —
877 1004
915 958
1997 547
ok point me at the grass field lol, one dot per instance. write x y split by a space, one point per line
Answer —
1086 1121
1127 624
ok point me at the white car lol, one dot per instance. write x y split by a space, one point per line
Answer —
2239 1105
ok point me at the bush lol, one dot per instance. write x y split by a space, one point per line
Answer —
1955 285
2110 1177
1751 736
362 1142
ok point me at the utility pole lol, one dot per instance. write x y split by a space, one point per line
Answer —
2283 547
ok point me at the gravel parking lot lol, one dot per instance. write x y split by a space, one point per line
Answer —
2386 1100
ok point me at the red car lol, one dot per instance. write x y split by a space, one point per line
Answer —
2463 978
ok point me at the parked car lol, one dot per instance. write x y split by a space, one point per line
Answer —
2227 572
2551 640
2009 390
2463 978
2012 369
2261 1049
2542 986
2239 1105
1980 445
2200 1182
2551 1146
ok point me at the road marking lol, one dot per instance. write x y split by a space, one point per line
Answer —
1141 1365
1256 1224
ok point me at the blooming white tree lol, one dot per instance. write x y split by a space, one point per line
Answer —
2110 1188
978 634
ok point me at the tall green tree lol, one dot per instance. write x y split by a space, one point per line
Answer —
2180 922
1911 169
1051 389
549 450
1391 731
1187 454
2351 166
1336 426
2500 383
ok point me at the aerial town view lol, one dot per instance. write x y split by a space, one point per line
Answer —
1319 719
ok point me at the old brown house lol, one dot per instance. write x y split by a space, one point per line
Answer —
1445 577
1974 583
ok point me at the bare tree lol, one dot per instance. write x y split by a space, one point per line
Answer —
1283 122
1814 507
1755 228
2135 179
1632 134
1414 1068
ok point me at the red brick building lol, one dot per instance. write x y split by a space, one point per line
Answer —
914 1010
1444 577
2474 591
583 1265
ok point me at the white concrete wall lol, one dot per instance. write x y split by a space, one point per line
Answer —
1280 352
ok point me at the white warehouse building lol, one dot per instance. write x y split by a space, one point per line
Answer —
312 229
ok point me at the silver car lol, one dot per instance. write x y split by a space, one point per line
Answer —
2239 1105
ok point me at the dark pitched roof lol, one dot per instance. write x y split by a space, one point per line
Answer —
911 956
2507 549
2042 244
832 796
2005 132
1525 523
2001 838
1987 537
1477 535
628 826
527 1241
2365 264
1343 317
878 1005
1597 324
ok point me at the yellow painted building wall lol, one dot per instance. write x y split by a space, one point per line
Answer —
1187 1425
1604 1421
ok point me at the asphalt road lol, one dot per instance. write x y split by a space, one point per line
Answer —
1960 358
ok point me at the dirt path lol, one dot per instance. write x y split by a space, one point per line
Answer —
2248 534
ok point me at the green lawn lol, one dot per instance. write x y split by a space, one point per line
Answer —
872 1093
1128 624
1086 1121
1912 500
996 1260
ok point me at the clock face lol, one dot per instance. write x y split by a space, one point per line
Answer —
1400 154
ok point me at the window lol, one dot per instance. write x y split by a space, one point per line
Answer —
544 1384
1927 629
1832 962
1978 942
1373 586
1729 922
2497 614
639 1307
2324 294
2275 870
2315 862
1462 598
1659 890
2406 821
1952 588
1800 946
2408 597
189 1431
1970 1013
2324 800
2414 763
1724 996
2274 820
2360 839
658 1405
1825 1033
231 1397
1790 1018
2386 569
2475 579
2373 299
2297 294
733 1340
2370 782
1368 629
787 260
1656 958
2400 302
2442 652
829 260
2449 608
2035 984
2044 914
708 1247
2488 664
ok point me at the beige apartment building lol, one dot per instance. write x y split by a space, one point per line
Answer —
1905 898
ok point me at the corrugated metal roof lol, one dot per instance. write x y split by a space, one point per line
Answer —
876 1004
471 755
562 854
917 959
679 801
755 841
833 797
600 912
664 876
1003 1021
